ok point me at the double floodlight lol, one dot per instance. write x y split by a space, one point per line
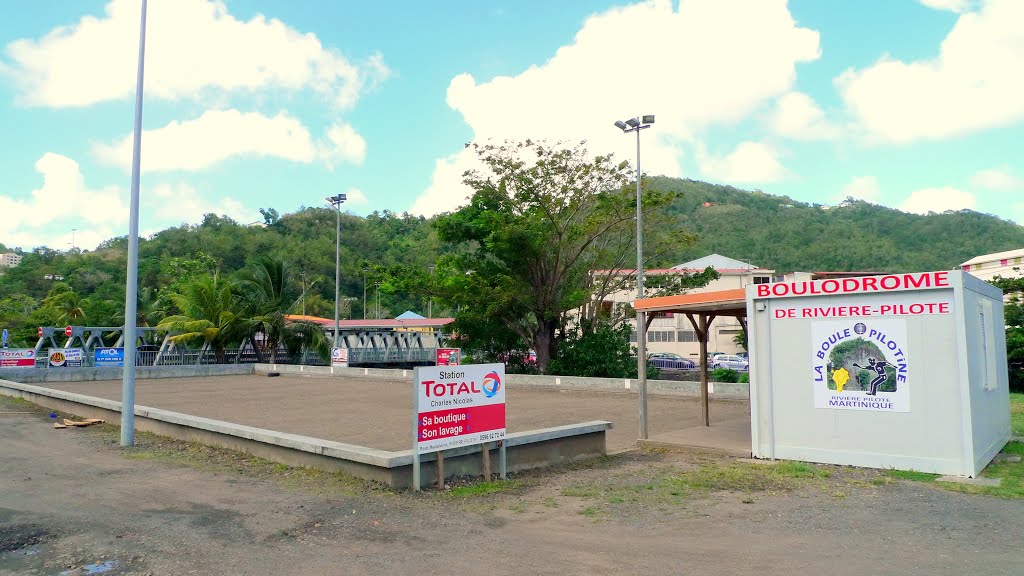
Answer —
336 200
634 123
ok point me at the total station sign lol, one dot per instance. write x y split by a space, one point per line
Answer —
459 406
17 357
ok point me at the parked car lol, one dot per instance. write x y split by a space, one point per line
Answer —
730 361
671 360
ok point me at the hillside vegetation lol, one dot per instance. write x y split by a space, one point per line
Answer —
770 231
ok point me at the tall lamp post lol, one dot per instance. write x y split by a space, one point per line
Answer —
336 201
636 125
131 292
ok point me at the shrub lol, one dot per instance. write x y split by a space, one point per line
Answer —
744 378
725 375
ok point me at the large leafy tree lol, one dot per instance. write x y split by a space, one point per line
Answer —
540 219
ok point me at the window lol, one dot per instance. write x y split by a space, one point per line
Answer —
762 279
989 376
687 336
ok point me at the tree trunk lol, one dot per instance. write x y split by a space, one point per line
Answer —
544 343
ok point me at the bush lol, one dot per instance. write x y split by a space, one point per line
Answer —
745 378
724 375
602 352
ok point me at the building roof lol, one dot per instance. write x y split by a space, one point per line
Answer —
725 302
716 261
383 323
409 315
996 256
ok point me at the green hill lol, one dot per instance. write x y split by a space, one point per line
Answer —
781 233
770 231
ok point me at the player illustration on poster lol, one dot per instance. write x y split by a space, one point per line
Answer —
860 365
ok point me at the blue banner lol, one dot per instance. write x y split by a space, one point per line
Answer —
109 356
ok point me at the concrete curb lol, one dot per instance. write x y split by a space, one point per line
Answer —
528 449
723 390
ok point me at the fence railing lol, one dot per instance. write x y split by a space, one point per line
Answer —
357 356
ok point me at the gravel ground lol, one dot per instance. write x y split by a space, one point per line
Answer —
72 498
377 413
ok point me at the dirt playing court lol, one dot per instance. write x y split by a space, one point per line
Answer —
378 413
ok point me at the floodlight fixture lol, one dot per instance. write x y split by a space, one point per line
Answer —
620 125
648 119
336 201
633 122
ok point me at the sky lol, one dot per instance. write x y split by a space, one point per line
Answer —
249 104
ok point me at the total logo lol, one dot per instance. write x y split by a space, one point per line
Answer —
17 353
491 384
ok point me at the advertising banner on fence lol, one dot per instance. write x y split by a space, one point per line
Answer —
108 357
66 357
447 357
860 365
17 358
339 357
459 406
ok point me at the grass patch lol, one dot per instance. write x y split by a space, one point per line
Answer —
484 488
913 475
1017 413
671 487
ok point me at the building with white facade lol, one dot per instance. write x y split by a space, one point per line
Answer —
674 333
9 260
1008 264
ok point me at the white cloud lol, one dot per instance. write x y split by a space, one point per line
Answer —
862 188
797 116
192 47
973 84
47 215
180 203
63 202
998 179
218 135
749 162
356 197
949 5
693 67
938 200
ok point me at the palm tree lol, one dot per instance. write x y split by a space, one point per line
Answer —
66 303
209 311
263 287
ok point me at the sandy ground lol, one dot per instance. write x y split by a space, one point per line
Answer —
378 413
72 497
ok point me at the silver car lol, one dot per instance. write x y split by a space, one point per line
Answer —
730 361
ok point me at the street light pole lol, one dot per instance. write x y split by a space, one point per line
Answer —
430 296
636 125
336 201
377 285
131 293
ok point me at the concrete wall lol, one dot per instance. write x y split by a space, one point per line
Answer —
525 450
672 387
40 375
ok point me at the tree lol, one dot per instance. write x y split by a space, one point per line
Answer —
1013 315
263 288
208 310
601 352
534 229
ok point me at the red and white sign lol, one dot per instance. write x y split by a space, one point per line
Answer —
339 357
40 331
68 331
460 406
858 285
17 357
447 357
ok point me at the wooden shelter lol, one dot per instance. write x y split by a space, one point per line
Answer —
701 309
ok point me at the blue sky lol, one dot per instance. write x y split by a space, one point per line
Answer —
914 104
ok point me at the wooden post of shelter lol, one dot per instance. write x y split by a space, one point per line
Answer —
700 328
